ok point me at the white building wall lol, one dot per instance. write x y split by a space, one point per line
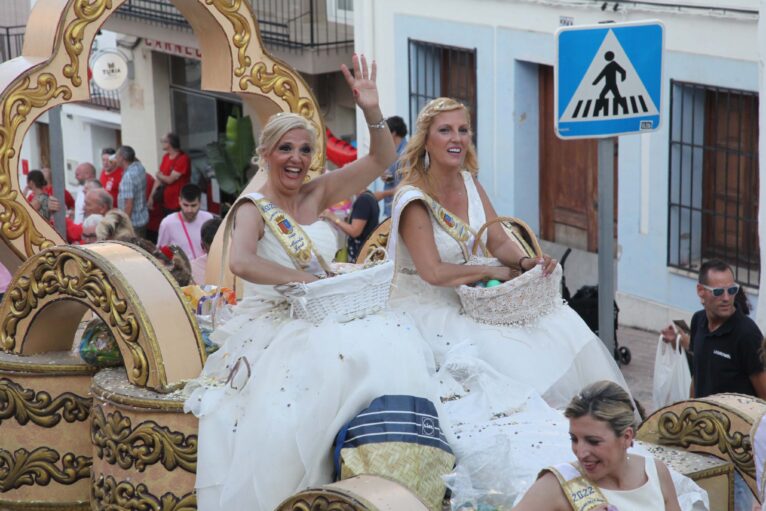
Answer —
145 106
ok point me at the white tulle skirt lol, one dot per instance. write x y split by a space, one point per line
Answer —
556 355
273 437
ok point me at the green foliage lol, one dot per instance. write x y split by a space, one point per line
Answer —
230 155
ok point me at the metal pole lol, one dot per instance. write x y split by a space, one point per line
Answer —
57 166
606 242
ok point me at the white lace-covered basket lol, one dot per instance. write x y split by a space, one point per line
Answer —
523 299
352 293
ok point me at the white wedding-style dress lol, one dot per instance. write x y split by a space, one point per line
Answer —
501 385
266 428
556 355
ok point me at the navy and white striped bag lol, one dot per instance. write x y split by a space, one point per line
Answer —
398 437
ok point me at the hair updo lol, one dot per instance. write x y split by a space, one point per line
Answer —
275 129
605 401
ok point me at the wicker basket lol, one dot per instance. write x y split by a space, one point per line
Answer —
351 294
518 301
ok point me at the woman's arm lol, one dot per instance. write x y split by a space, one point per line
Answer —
340 184
502 246
668 488
418 235
353 229
544 495
244 260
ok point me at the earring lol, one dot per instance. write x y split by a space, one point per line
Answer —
426 161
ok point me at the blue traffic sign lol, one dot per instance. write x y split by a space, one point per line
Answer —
608 79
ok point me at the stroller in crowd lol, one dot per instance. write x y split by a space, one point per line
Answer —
585 303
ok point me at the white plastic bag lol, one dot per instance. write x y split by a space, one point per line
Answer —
672 379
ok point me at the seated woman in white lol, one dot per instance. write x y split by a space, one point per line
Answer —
272 398
605 476
437 213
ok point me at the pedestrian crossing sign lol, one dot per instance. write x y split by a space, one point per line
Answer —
608 79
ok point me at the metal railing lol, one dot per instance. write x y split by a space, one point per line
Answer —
713 179
11 42
286 24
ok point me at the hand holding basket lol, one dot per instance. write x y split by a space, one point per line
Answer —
520 300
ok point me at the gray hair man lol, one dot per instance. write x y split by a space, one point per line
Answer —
132 195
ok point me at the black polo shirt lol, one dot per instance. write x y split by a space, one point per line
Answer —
725 359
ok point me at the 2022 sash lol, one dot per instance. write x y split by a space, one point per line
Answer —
581 493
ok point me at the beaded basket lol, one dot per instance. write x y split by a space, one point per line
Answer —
521 300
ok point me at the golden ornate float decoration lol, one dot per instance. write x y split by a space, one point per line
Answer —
52 290
39 408
719 425
40 467
108 493
118 443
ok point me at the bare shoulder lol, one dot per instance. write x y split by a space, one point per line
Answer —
667 487
544 495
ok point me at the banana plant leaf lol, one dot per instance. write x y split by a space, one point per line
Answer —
230 155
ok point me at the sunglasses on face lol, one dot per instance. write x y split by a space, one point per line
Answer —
718 291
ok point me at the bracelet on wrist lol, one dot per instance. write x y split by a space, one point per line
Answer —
381 124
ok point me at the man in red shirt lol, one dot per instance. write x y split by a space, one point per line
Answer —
111 174
174 173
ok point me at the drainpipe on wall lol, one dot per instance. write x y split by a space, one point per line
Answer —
364 42
760 313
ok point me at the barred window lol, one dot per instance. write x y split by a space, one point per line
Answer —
713 188
436 71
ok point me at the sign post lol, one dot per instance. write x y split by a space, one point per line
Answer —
608 82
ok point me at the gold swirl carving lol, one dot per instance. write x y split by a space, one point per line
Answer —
17 104
230 10
310 501
282 82
62 273
26 405
40 467
86 12
707 428
107 493
147 444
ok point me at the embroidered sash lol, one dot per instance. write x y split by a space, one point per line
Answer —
450 222
581 493
291 236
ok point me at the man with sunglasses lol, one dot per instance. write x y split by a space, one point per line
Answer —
724 342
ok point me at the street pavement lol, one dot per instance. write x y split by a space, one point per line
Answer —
639 373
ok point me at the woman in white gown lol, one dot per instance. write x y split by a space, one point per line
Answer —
490 377
272 398
557 354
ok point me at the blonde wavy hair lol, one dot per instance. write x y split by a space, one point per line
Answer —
412 160
275 129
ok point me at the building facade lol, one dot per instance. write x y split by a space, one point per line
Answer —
685 193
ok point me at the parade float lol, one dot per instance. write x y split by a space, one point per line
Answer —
76 437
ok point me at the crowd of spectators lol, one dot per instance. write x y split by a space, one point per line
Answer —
160 212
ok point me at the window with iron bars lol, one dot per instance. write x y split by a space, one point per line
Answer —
436 71
713 187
